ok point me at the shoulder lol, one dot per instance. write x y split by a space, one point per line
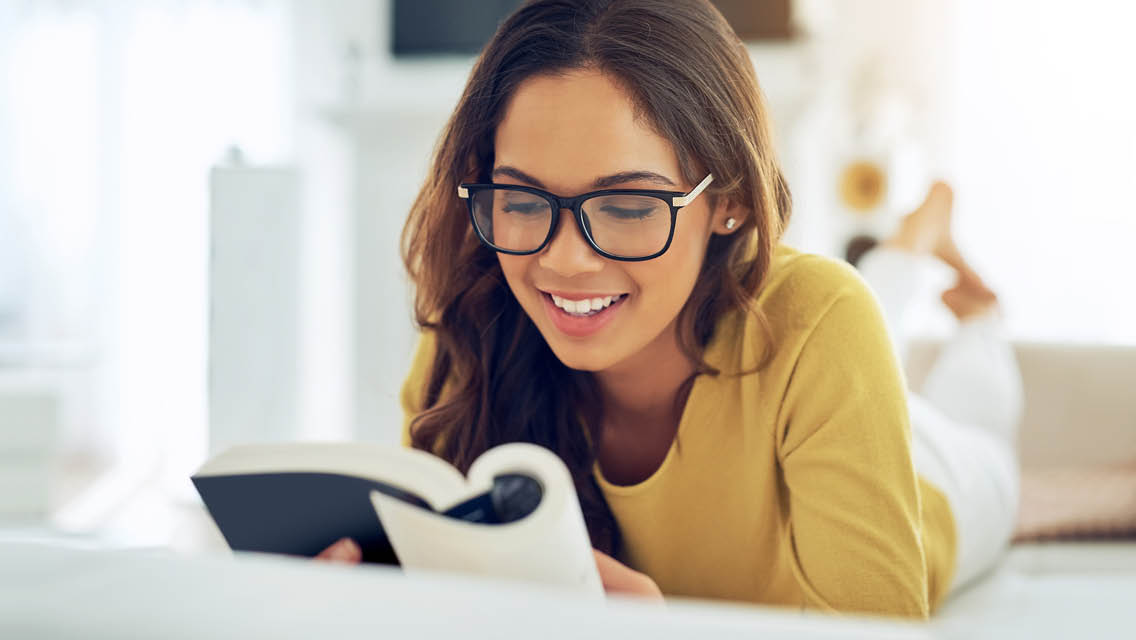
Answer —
805 297
831 360
413 392
802 288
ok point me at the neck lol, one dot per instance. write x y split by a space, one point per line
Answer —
643 388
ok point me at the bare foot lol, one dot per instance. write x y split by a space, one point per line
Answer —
945 248
973 284
928 229
969 298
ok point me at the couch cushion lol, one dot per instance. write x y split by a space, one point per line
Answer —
1077 502
1080 408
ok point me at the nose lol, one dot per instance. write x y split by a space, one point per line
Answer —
568 253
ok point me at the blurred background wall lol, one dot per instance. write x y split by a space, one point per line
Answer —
145 147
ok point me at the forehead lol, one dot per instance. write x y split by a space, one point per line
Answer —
566 130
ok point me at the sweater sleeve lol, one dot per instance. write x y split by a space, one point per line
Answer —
413 392
845 453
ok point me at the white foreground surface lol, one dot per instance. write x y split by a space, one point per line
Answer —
71 589
60 591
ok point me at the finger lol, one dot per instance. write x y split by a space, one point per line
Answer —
609 567
345 550
619 578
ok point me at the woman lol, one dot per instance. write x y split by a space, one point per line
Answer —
599 270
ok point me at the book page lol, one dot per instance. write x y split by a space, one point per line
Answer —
549 546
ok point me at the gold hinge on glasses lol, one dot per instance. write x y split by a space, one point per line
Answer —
682 201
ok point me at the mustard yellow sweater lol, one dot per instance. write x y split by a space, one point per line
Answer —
792 486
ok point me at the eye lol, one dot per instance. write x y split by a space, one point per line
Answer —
629 213
527 207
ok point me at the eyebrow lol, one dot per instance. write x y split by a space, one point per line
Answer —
599 183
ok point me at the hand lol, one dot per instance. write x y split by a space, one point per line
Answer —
344 551
615 576
619 578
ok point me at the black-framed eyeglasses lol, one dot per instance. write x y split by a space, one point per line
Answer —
621 224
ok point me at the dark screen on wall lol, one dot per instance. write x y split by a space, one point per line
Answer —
439 27
446 27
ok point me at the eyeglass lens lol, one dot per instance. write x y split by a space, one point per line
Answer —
624 225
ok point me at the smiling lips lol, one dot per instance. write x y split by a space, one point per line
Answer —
585 306
584 316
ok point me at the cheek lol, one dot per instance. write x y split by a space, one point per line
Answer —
514 269
678 268
666 281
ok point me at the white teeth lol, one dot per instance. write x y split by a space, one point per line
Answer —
584 306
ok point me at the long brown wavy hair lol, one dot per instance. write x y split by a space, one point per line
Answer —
693 80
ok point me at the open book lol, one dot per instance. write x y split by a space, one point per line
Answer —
515 516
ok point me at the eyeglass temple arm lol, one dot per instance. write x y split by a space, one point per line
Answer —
682 201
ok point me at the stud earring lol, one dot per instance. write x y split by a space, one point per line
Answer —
730 223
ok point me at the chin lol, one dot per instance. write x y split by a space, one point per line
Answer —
580 357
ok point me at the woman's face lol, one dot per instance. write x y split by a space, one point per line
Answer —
566 133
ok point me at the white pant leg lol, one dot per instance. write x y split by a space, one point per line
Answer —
975 379
978 472
901 281
962 433
964 424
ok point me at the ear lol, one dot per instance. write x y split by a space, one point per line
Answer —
728 217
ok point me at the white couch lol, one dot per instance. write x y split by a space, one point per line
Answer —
1080 410
1080 401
